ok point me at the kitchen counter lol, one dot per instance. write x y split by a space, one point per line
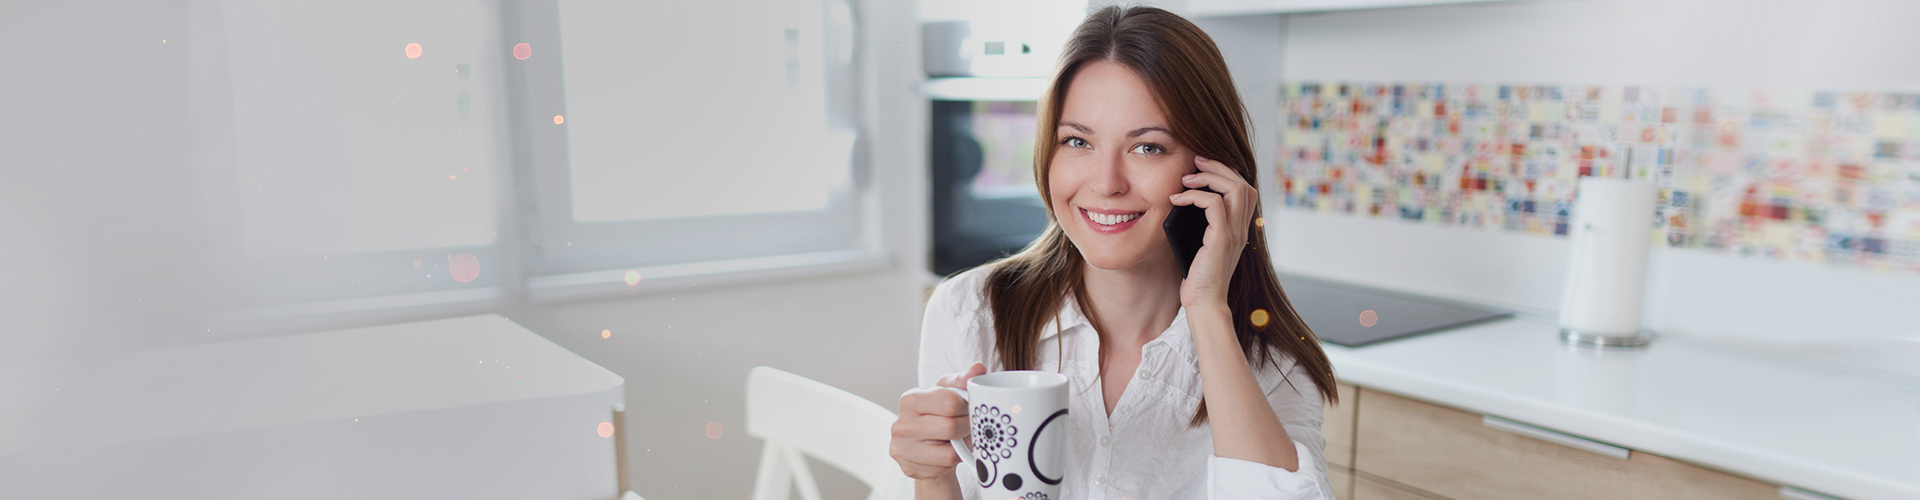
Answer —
471 408
1796 422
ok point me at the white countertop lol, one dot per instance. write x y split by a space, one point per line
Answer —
286 380
1819 427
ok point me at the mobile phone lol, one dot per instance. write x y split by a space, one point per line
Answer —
1185 227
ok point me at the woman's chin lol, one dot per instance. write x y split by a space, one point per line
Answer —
1112 261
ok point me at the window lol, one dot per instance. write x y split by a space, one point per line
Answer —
398 156
661 135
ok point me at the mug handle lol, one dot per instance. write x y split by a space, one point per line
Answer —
959 445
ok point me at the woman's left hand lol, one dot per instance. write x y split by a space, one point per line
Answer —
1229 217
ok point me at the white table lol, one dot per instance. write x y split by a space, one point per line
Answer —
469 408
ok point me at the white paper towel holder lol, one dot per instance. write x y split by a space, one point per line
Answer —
1636 340
1620 205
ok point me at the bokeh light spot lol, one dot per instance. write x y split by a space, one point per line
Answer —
522 51
606 334
1259 317
557 119
1368 318
451 177
464 267
1260 222
417 263
413 51
605 429
249 189
633 278
1016 409
714 430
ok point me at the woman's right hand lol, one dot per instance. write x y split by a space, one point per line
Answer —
929 419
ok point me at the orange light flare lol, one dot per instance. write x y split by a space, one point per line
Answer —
558 119
714 430
464 267
606 334
413 51
605 429
633 278
1368 318
249 189
522 51
1259 317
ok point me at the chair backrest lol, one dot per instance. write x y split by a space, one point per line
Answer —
798 416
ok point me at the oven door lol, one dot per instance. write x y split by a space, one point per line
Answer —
985 204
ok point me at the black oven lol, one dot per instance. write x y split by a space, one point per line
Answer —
982 89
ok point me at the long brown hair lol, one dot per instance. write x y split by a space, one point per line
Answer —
1185 72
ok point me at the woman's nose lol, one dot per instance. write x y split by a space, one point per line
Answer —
1109 176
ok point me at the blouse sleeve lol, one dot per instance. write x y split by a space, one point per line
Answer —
951 340
1296 400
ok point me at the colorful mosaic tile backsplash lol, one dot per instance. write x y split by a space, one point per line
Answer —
1813 176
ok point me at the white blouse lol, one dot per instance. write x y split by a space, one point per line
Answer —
1145 449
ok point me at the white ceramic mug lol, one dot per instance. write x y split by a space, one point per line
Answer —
1019 428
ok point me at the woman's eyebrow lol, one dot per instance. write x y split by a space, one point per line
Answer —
1143 130
1135 133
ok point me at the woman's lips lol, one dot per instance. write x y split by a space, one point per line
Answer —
1122 222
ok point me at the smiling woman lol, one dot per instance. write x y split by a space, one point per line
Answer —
1142 117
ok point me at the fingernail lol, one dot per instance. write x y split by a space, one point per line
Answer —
1187 177
1201 158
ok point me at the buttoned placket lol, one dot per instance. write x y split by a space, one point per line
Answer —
1153 355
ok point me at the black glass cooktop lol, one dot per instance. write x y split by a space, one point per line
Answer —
1340 314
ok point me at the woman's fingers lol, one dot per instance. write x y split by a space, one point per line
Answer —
1214 167
929 419
932 401
959 380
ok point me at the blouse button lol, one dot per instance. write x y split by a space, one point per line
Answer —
1122 409
1146 374
1104 440
1100 479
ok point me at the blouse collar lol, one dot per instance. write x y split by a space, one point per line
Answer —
1070 317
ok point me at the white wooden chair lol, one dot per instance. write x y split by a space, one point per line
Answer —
799 417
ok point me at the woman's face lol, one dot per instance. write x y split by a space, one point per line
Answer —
1114 168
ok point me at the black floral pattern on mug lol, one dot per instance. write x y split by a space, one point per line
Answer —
994 435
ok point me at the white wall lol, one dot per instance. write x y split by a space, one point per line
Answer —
1845 314
97 247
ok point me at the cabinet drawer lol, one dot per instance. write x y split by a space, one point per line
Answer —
1368 489
1342 482
1451 453
1338 427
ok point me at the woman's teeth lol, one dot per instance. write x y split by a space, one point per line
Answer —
1108 220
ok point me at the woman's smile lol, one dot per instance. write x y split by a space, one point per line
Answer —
1107 221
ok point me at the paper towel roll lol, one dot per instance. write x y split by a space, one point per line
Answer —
1612 227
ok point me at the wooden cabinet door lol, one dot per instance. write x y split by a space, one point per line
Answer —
1450 453
1338 426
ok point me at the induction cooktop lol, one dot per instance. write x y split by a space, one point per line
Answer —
1339 314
